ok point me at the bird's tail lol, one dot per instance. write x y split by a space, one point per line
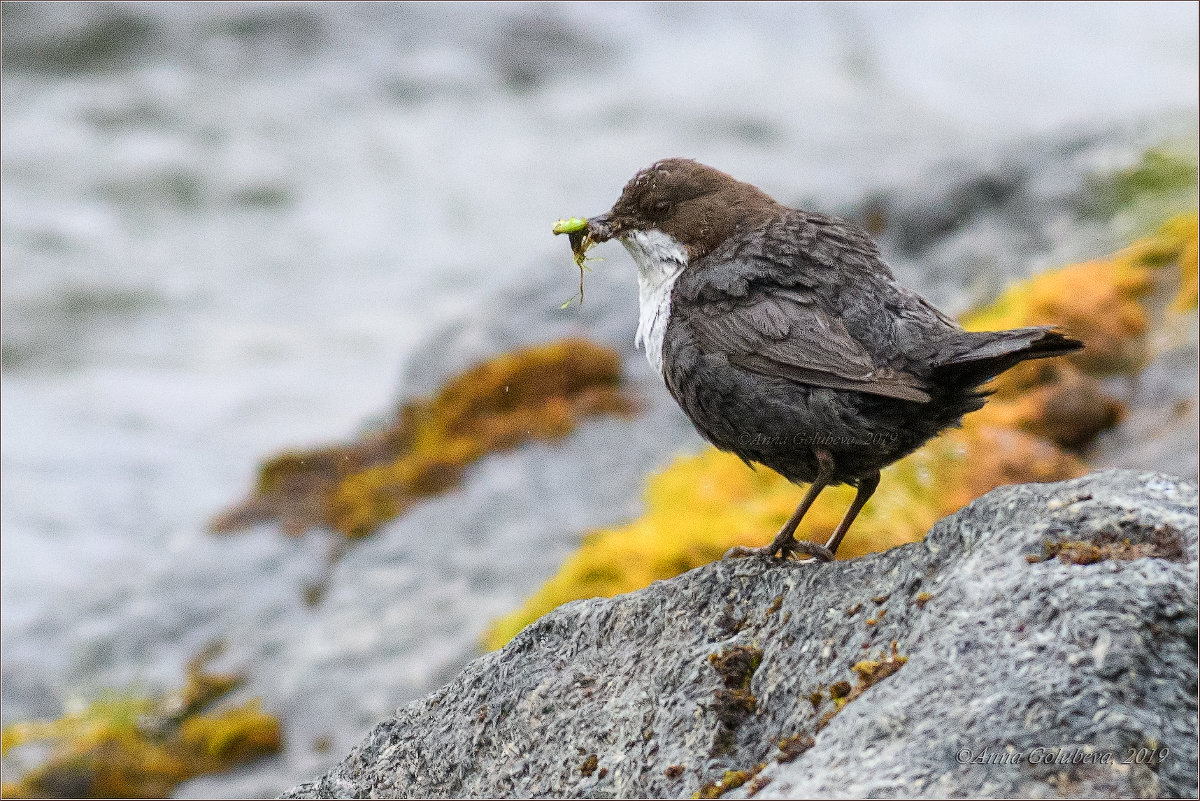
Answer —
976 357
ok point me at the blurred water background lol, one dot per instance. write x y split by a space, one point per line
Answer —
228 229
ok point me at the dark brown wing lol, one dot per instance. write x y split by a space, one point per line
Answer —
784 333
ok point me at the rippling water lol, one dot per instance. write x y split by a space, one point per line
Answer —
233 228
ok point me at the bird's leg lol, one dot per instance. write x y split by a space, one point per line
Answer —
866 488
785 542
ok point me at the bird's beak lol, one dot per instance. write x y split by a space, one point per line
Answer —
601 228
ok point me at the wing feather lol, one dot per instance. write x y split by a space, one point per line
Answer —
784 333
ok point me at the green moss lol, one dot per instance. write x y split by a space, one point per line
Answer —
730 781
1163 182
125 745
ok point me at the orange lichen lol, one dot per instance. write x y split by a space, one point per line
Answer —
1096 301
703 505
536 393
1102 302
1110 304
131 746
1184 227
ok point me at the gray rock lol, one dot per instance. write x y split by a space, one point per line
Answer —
1018 664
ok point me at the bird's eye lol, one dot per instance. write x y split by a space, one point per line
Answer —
660 208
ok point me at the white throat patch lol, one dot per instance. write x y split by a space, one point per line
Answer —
660 259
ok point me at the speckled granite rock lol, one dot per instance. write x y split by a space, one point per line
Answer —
1088 655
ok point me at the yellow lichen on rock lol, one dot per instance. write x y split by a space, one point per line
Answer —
1183 229
1102 302
701 506
125 745
535 393
1111 304
233 735
730 780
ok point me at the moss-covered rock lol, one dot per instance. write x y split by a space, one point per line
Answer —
1162 183
980 653
539 392
127 745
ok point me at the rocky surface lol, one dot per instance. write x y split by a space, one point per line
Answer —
1040 642
228 227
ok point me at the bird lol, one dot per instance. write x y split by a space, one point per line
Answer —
786 339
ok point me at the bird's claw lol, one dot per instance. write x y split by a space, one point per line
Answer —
809 550
741 552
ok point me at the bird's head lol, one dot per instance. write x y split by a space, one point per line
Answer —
696 206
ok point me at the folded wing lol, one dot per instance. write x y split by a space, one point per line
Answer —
784 333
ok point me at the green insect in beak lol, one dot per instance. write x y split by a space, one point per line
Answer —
576 231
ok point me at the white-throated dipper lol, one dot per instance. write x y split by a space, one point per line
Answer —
786 339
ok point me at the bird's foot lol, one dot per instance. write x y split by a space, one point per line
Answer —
741 552
808 551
